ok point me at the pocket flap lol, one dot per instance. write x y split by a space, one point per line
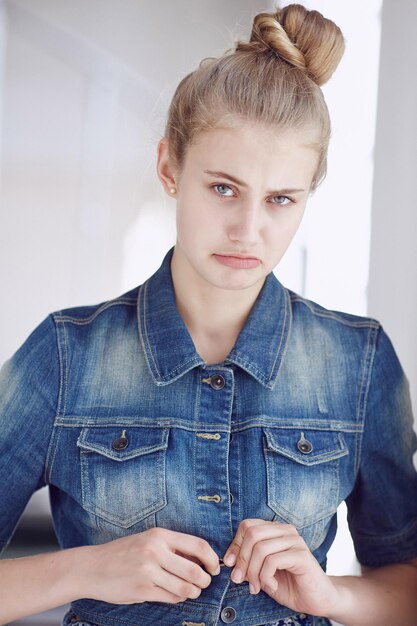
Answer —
326 445
140 441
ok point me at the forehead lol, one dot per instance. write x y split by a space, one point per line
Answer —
255 150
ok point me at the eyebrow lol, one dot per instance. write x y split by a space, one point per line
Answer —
233 179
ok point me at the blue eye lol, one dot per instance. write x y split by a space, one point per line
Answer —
223 189
282 200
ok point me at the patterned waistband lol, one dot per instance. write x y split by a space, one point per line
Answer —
301 620
296 620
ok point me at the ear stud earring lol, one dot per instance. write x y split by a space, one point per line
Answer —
172 190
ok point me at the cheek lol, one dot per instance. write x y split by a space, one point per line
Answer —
196 215
285 225
186 215
192 222
297 219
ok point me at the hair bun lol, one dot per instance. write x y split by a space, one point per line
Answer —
302 38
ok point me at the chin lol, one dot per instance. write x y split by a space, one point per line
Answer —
238 283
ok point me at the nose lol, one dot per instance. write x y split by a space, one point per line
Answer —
245 225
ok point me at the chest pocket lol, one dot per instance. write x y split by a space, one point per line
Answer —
303 478
123 472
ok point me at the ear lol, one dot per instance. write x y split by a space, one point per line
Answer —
165 171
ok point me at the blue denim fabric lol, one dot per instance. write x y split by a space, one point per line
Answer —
315 409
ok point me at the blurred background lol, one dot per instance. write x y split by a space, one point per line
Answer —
84 90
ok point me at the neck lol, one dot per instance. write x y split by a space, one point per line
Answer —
213 316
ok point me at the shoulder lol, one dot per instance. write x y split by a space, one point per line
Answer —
71 330
345 340
109 327
339 337
101 313
304 309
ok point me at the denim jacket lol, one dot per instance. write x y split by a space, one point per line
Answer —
111 407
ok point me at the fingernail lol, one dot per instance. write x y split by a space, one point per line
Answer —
217 571
237 575
230 559
251 588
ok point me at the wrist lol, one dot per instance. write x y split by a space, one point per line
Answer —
340 600
74 572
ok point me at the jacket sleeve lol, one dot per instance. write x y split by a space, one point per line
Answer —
29 388
382 509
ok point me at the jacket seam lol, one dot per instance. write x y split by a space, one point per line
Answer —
284 335
364 323
190 608
364 392
144 335
63 391
90 615
253 369
179 369
174 422
48 466
86 320
236 402
391 537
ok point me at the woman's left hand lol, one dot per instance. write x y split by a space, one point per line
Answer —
273 557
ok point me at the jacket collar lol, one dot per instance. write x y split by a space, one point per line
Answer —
170 351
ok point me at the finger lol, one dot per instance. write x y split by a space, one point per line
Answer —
157 594
175 585
292 560
195 547
262 551
233 550
253 535
186 569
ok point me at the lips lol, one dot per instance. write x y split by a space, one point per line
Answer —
237 261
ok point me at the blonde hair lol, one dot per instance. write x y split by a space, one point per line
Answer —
274 79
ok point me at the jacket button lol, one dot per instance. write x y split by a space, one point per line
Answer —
217 381
228 615
304 445
120 443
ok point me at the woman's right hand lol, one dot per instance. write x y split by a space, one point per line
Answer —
157 565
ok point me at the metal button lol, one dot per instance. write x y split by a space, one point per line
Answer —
217 381
120 443
228 615
304 445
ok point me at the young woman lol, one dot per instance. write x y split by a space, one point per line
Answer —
198 433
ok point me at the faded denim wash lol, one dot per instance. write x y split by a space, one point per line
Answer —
314 410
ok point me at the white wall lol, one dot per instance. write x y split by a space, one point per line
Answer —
3 46
393 267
